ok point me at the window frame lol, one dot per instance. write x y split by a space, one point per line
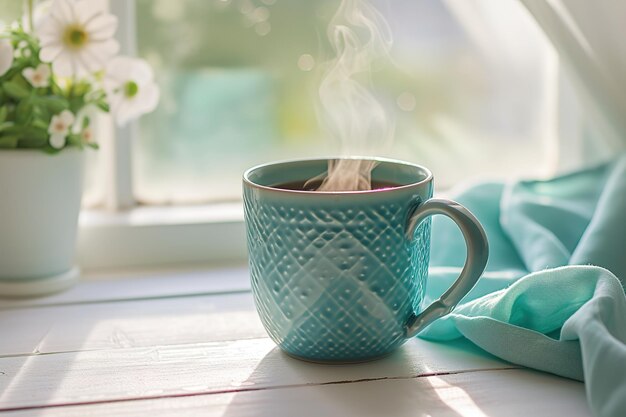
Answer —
155 236
118 160
124 234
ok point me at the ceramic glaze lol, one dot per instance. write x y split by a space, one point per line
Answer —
335 276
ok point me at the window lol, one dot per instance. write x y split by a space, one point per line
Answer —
472 85
472 88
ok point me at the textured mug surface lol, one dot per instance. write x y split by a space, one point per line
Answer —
334 275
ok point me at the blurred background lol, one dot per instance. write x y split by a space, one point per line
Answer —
473 86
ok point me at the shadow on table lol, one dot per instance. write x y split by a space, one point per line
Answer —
380 388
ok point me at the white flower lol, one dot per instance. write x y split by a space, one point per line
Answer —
6 56
59 128
38 77
77 37
130 88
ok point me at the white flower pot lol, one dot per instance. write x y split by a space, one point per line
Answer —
39 204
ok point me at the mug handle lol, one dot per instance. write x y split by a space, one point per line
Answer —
477 255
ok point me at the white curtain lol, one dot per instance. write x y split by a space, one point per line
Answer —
521 70
589 38
588 115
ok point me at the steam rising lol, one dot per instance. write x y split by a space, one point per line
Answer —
359 35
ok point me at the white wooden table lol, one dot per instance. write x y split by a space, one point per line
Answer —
190 344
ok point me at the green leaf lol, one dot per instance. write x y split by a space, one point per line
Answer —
6 125
32 142
4 110
85 122
93 145
54 104
81 88
74 140
15 90
31 132
24 112
42 115
26 132
76 104
102 105
40 124
56 89
8 142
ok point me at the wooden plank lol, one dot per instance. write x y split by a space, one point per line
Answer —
143 285
140 323
177 281
132 373
128 323
511 393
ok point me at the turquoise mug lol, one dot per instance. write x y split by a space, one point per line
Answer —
339 277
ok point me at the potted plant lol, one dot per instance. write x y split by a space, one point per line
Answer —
54 75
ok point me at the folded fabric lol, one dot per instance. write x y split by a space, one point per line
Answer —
551 297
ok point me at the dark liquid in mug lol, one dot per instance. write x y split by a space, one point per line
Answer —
315 184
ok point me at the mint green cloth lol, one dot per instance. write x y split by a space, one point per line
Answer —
551 298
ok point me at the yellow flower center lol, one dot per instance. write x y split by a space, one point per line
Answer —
75 36
131 89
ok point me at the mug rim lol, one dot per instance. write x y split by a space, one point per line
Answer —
247 181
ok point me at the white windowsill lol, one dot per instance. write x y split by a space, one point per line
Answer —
152 238
155 236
